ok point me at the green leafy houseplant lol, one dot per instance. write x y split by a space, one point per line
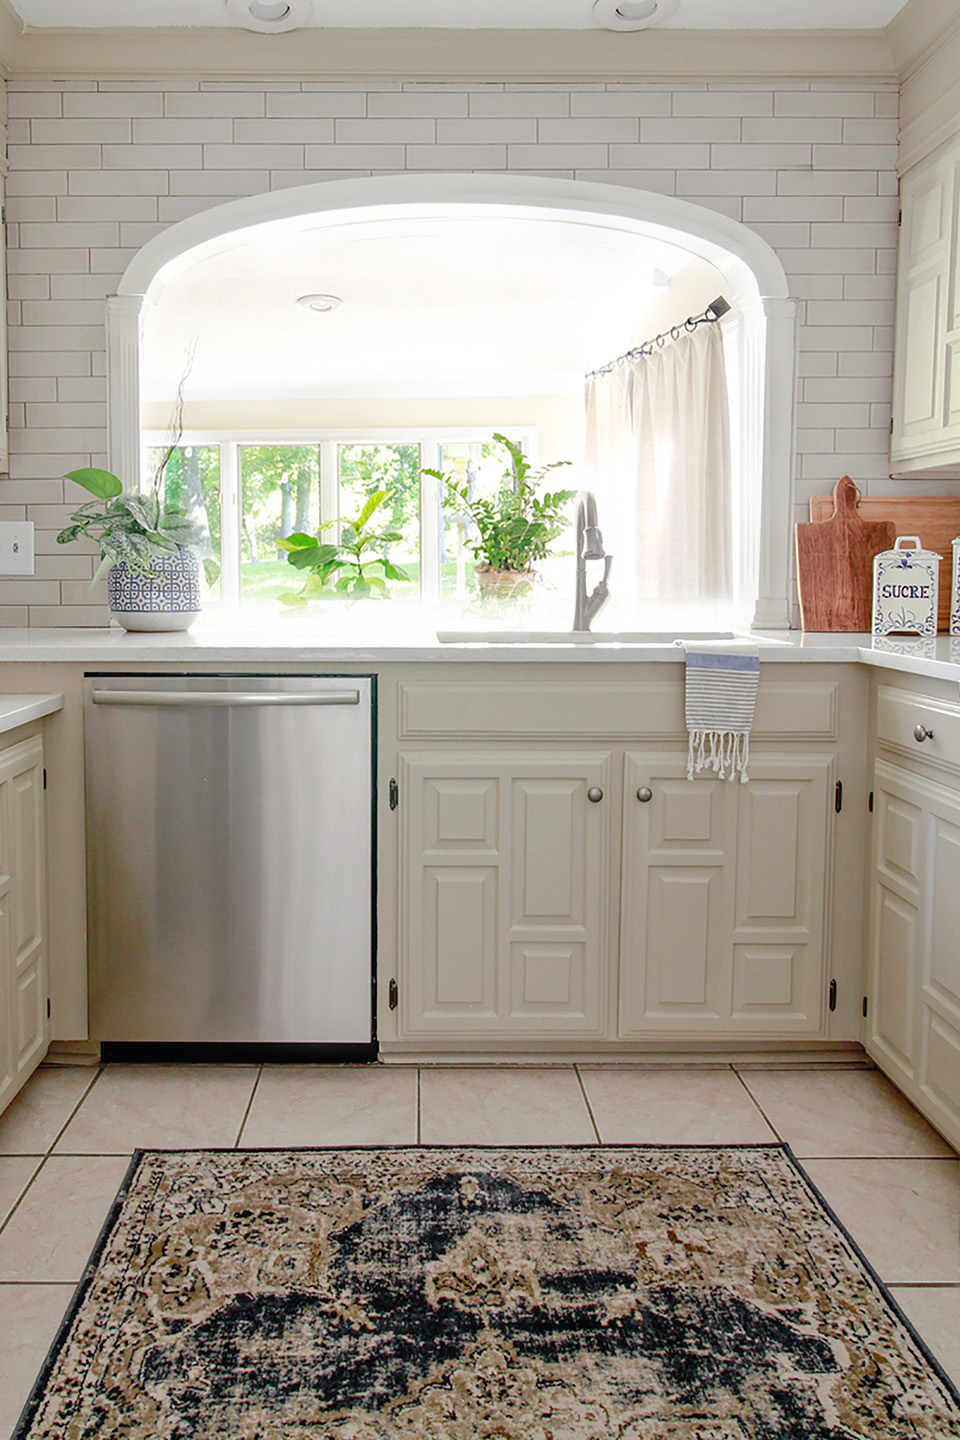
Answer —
131 530
516 526
344 567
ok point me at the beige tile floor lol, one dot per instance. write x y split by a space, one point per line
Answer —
65 1144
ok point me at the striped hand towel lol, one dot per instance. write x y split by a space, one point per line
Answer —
720 696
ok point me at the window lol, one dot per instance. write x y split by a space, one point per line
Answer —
248 491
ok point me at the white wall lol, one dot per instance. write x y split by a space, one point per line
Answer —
98 169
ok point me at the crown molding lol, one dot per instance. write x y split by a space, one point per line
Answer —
926 43
919 30
11 28
447 55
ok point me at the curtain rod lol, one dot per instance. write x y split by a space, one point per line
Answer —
714 311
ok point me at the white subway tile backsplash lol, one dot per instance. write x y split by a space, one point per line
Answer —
356 157
205 104
726 182
217 185
660 157
115 182
691 130
174 130
71 131
116 104
811 169
152 157
789 155
406 104
487 130
585 129
417 130
813 103
493 103
315 130
30 103
636 102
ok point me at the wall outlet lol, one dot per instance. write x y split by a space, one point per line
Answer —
16 547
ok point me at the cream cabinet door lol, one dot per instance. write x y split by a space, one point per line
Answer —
724 891
914 995
22 915
895 923
504 885
926 402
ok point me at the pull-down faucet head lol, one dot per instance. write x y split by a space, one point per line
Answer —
589 546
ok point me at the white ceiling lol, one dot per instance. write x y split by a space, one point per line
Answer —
452 306
472 14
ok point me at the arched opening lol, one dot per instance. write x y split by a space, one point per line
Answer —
502 210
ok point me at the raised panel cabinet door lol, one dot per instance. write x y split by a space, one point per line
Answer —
503 889
939 988
926 399
23 903
724 900
895 921
785 821
557 916
676 916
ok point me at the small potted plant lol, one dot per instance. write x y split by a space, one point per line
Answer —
516 526
345 567
153 580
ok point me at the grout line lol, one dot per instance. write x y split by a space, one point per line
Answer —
246 1113
586 1101
49 1151
759 1107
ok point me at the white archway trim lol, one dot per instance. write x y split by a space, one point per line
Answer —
755 282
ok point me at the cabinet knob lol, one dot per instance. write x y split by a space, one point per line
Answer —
644 794
921 733
595 794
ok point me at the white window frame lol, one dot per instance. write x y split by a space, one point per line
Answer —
429 438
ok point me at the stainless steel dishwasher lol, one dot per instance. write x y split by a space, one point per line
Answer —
230 860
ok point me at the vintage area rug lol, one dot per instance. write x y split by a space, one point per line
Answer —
642 1293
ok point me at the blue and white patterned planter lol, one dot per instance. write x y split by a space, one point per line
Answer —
165 598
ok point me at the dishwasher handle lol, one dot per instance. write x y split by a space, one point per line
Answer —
226 698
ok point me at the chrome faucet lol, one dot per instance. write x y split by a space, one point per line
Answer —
589 547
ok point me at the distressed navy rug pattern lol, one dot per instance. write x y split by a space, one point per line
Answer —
642 1293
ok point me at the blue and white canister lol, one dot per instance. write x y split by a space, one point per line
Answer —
905 589
165 597
955 589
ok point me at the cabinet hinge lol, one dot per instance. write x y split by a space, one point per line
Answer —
891 424
870 802
838 796
394 794
44 777
864 1007
832 996
393 995
899 217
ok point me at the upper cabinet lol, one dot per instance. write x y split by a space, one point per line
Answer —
926 395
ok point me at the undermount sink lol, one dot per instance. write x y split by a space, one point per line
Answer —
586 637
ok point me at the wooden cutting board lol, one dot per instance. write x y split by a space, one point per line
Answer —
935 518
835 562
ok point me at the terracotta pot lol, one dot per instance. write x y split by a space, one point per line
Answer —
502 584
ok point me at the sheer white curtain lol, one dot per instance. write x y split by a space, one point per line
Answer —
658 450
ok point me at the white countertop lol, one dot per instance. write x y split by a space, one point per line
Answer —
939 658
18 709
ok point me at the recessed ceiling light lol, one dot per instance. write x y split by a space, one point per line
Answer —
270 16
320 304
633 14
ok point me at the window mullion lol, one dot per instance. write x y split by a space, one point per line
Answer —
230 522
